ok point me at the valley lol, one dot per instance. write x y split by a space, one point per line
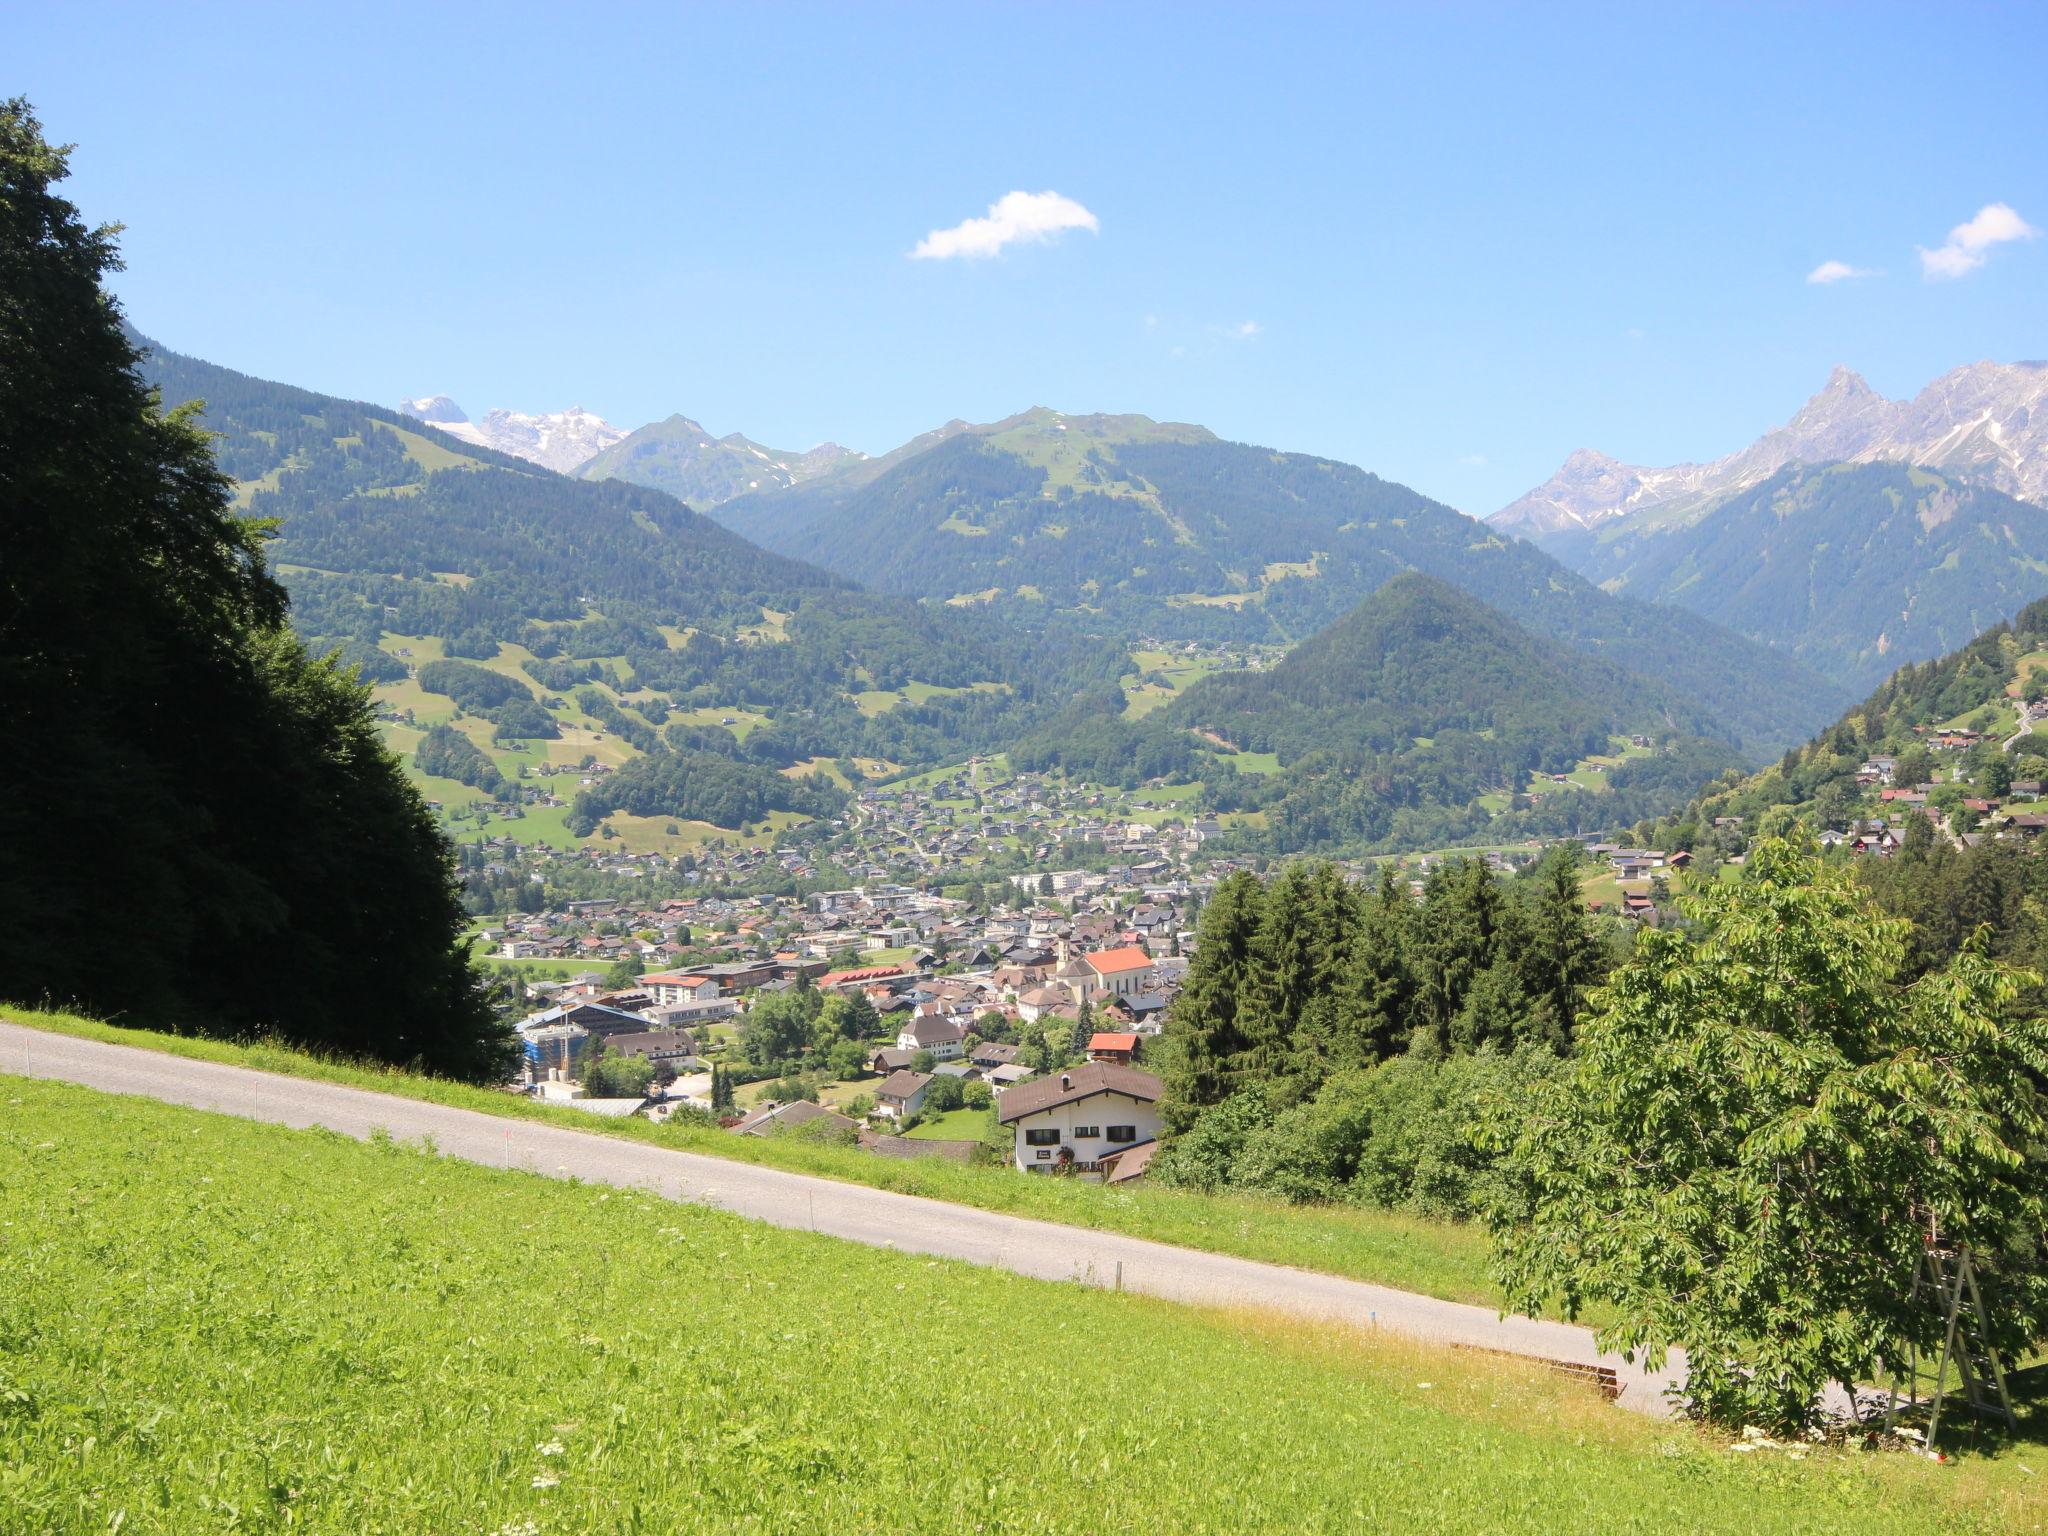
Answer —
1083 971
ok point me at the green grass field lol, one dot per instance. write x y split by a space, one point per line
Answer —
953 1125
1393 1248
1175 674
213 1326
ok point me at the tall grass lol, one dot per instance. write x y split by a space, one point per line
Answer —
212 1326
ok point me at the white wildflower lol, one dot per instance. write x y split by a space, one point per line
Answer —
548 1448
546 1480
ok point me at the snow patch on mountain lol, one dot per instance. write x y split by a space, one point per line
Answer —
1986 422
558 440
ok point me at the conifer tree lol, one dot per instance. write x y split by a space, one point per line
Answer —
1561 958
1202 1041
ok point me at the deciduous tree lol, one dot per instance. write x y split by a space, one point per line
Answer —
1760 1130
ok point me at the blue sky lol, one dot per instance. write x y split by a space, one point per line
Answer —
1449 243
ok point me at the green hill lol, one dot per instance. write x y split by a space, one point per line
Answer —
1852 568
1419 658
1423 718
344 1337
1393 726
1141 528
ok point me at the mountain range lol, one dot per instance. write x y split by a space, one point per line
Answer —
1143 529
1987 421
1851 568
677 455
680 457
558 440
979 589
1863 532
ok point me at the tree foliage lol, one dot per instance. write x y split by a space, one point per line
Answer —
181 760
1760 1130
1305 975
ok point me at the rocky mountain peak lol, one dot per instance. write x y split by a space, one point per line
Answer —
1987 421
438 409
557 440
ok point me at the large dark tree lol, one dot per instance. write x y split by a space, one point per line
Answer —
201 830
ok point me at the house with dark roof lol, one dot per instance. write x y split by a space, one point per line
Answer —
769 1118
890 1058
931 1032
1070 1121
994 1053
901 1094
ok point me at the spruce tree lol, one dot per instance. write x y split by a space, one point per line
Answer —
1202 1044
1561 958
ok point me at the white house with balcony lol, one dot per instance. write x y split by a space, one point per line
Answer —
1070 1121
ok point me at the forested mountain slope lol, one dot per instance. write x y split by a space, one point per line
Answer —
618 617
1137 527
1421 702
1852 568
1421 719
1971 724
1419 658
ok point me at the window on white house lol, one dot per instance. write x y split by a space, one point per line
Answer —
1123 1133
1081 1131
1045 1138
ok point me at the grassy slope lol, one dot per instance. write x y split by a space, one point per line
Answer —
1410 1252
356 1338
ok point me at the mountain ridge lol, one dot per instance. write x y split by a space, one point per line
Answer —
557 440
1987 420
1850 567
1141 528
680 456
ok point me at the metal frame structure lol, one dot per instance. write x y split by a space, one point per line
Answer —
1945 1281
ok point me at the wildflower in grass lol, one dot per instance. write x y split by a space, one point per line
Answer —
546 1480
548 1448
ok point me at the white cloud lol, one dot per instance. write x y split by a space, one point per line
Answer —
1242 330
1968 243
1836 272
1474 461
1013 217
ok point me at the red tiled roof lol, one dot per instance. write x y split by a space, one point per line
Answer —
1113 1042
1106 962
865 973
